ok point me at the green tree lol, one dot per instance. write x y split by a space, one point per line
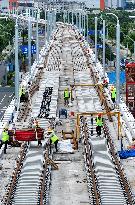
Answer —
7 31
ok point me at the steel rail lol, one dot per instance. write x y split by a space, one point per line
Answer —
122 178
96 195
124 181
11 187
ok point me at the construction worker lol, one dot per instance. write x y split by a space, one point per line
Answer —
53 138
99 123
36 127
113 94
105 82
22 94
66 96
36 124
5 139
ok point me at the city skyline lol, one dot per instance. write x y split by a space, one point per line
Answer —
9 4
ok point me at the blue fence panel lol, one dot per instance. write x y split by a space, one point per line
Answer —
112 77
124 154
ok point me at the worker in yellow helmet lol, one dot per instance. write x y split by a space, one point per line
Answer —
5 138
99 123
113 95
66 96
53 138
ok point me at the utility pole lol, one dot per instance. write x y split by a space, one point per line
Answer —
104 47
127 49
27 12
50 24
29 45
107 34
118 59
16 66
54 19
64 16
80 21
45 26
48 16
87 27
37 40
95 40
118 64
84 26
76 19
134 50
68 16
32 13
72 18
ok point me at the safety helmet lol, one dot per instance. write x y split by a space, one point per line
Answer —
112 87
6 128
50 130
99 114
66 88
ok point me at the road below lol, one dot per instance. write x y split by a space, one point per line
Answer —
6 95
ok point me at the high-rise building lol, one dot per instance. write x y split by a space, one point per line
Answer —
102 4
4 5
115 3
13 4
91 3
130 1
122 3
112 4
26 3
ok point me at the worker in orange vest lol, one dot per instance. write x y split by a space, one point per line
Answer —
36 126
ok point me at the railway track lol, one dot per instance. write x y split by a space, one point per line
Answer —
106 180
31 177
28 186
107 183
30 181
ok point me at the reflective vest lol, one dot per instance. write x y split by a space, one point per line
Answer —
66 94
22 91
54 138
5 136
114 93
99 121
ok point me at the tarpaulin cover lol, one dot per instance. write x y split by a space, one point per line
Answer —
124 154
65 146
28 135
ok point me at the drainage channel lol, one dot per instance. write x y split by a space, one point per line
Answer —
106 185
